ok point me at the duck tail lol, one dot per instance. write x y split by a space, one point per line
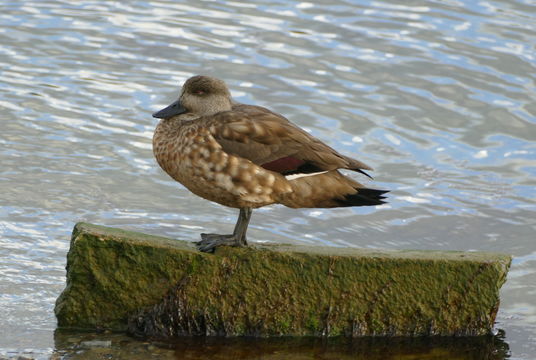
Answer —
363 197
328 190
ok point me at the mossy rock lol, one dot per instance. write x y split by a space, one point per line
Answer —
156 286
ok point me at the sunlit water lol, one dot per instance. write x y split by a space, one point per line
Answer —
438 96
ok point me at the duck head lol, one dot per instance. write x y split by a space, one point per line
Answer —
200 96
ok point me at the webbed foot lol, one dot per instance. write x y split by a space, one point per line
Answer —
209 242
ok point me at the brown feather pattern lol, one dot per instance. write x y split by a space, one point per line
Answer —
237 155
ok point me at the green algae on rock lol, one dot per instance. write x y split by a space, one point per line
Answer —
162 287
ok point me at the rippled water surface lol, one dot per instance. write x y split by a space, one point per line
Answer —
438 96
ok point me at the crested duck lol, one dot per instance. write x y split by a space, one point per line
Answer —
246 156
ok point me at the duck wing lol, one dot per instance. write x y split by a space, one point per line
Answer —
271 141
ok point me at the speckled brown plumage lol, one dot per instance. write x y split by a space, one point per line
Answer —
246 156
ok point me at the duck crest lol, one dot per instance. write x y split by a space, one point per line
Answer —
246 156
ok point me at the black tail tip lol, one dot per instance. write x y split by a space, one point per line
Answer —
364 197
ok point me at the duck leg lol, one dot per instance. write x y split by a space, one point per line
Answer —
238 238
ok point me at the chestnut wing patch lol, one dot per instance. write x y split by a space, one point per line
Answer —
271 141
289 165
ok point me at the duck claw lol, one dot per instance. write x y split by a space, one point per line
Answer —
209 242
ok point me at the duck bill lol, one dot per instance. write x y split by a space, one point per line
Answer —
174 109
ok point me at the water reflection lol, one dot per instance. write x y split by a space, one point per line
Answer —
84 346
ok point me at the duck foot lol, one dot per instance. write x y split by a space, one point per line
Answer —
238 238
209 242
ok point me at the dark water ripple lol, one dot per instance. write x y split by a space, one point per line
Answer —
438 96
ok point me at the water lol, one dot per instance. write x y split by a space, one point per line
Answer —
284 348
437 96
